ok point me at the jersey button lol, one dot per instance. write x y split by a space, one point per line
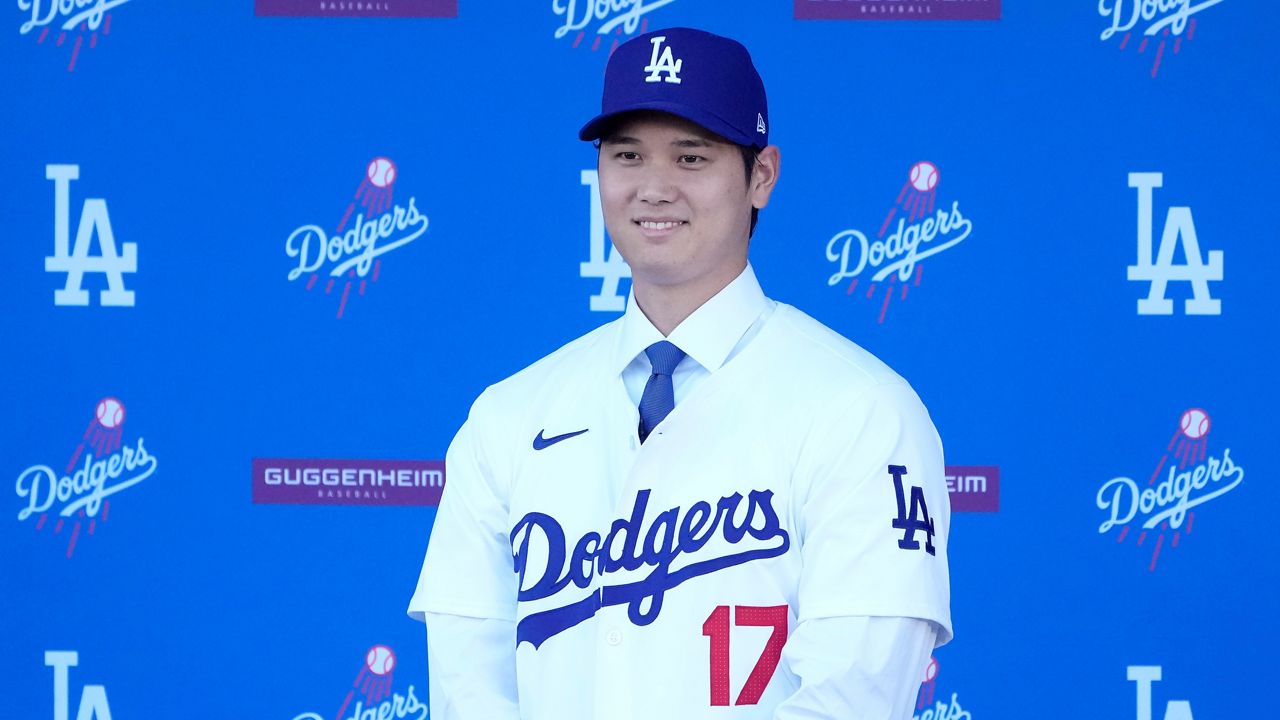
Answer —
613 638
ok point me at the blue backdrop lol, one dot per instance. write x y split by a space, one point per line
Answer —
214 133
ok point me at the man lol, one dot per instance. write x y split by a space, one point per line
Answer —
714 507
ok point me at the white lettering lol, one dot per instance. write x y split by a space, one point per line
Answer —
901 249
627 13
360 244
91 483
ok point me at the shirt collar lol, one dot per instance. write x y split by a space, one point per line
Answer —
708 335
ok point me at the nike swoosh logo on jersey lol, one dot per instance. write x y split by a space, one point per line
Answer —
541 443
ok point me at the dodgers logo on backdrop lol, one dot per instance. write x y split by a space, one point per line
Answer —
603 260
356 8
1143 676
93 698
101 466
76 261
1162 20
1166 503
372 693
353 254
673 537
1160 269
600 18
68 23
896 10
894 263
927 708
291 481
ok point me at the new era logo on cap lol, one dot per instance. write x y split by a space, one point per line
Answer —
703 78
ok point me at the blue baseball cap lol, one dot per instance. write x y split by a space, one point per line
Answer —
704 78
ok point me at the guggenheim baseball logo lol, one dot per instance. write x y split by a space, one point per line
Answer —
372 693
347 482
71 22
101 466
897 9
1187 476
592 22
353 254
356 8
1159 20
892 263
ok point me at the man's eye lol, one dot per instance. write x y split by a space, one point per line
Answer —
628 155
692 159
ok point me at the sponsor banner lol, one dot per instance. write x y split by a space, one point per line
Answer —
356 8
1187 476
897 9
290 481
974 488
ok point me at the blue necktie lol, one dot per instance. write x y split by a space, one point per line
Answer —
659 398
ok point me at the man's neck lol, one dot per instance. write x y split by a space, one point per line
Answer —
667 306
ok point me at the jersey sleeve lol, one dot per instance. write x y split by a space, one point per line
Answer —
873 512
468 568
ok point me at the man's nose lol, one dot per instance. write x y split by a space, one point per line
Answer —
657 187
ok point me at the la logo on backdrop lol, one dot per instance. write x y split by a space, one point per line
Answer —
890 265
591 22
1143 676
93 703
1187 476
1156 265
74 499
64 23
76 260
371 226
1138 22
372 693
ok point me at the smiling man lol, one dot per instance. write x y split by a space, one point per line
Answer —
713 507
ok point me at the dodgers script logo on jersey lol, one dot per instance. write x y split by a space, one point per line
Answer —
630 544
1163 20
1166 502
371 691
1143 677
76 261
1159 269
71 23
622 18
93 698
604 262
101 466
896 261
380 227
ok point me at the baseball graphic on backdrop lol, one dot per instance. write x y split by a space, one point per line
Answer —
1195 423
924 176
382 172
380 660
110 412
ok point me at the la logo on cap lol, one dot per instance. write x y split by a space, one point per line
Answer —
662 61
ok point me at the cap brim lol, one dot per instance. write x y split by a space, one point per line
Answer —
594 129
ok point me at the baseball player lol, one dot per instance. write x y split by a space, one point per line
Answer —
713 507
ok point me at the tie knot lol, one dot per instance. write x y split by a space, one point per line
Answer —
664 357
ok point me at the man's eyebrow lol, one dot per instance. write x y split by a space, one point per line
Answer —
620 140
693 142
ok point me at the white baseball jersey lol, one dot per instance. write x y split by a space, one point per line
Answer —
800 478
